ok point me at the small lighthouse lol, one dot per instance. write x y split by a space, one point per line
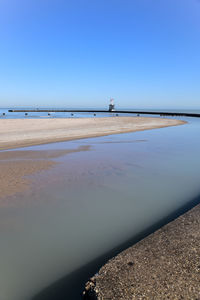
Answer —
111 105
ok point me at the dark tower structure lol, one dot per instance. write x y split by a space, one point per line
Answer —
111 105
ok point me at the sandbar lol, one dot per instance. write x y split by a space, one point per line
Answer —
15 133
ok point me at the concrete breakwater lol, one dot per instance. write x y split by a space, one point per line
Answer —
160 113
164 265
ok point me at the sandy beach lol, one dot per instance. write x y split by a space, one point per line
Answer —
16 133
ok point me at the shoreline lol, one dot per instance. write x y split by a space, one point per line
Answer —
18 133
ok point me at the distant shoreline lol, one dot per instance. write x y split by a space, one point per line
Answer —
16 133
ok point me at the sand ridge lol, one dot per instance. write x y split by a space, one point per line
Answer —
16 133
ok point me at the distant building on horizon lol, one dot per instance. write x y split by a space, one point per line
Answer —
111 105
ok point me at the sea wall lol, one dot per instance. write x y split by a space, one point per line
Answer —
164 265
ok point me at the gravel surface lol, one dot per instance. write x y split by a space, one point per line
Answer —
165 265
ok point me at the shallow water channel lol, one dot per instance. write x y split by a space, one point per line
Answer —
71 216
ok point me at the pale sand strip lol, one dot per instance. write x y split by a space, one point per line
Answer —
27 132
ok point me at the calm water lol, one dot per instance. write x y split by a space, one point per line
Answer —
93 201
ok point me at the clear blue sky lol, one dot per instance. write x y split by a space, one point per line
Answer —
143 53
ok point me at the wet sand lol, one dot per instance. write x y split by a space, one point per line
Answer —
16 166
164 265
16 133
